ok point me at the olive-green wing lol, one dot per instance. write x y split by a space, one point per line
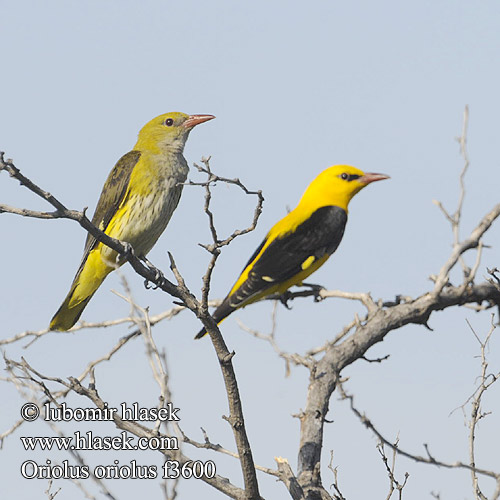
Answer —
112 195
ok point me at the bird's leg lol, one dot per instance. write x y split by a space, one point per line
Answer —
120 258
284 298
159 276
316 289
129 251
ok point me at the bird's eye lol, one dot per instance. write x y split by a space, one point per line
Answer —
169 122
344 176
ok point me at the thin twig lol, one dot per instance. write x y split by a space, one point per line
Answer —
417 458
217 243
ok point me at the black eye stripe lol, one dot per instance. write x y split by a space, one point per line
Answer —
349 178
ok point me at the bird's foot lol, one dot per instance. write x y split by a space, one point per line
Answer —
129 252
159 277
316 289
284 298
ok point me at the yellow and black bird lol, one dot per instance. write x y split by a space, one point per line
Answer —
301 242
136 203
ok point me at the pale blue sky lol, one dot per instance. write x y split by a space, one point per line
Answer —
295 89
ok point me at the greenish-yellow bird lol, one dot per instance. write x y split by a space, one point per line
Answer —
136 203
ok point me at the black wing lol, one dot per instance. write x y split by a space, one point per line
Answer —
316 237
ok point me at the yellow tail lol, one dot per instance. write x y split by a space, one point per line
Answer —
67 316
87 280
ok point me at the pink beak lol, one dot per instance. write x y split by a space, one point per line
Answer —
372 177
194 120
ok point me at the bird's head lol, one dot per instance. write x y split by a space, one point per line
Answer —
168 132
338 184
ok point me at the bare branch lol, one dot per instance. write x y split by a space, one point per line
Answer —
486 380
338 356
320 293
49 494
10 431
338 495
288 477
417 458
14 172
217 244
208 445
235 418
460 248
394 484
294 358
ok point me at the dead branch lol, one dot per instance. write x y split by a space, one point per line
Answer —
394 484
486 381
217 243
429 459
288 477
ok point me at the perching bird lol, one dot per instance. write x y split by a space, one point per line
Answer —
301 242
136 203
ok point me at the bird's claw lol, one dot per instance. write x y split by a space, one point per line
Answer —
129 249
149 286
316 289
284 298
127 253
159 276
